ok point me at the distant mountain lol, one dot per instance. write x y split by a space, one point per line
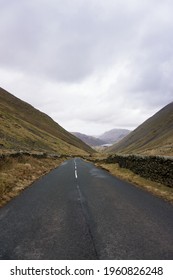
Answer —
154 136
89 140
106 139
114 135
25 128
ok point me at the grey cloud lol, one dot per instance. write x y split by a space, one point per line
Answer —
108 63
64 41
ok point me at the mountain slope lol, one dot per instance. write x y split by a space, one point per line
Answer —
154 136
24 127
89 140
114 135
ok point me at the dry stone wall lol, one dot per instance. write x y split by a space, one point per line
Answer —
155 168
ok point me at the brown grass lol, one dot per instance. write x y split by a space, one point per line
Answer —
157 189
18 173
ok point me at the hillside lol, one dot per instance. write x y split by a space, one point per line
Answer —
153 137
25 128
89 140
114 135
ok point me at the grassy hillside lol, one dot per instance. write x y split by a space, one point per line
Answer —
153 137
24 127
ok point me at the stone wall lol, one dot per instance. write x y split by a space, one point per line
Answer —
155 168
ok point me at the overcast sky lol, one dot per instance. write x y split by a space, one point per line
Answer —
92 65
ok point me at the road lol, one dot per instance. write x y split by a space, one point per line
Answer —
78 211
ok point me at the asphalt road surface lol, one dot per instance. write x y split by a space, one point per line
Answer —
78 211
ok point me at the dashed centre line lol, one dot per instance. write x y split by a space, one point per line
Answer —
76 176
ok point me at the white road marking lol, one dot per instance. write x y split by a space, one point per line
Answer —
75 166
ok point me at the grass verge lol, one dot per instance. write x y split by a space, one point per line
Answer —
18 173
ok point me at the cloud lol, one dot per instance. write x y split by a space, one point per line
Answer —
92 65
66 40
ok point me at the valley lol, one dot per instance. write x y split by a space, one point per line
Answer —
31 142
